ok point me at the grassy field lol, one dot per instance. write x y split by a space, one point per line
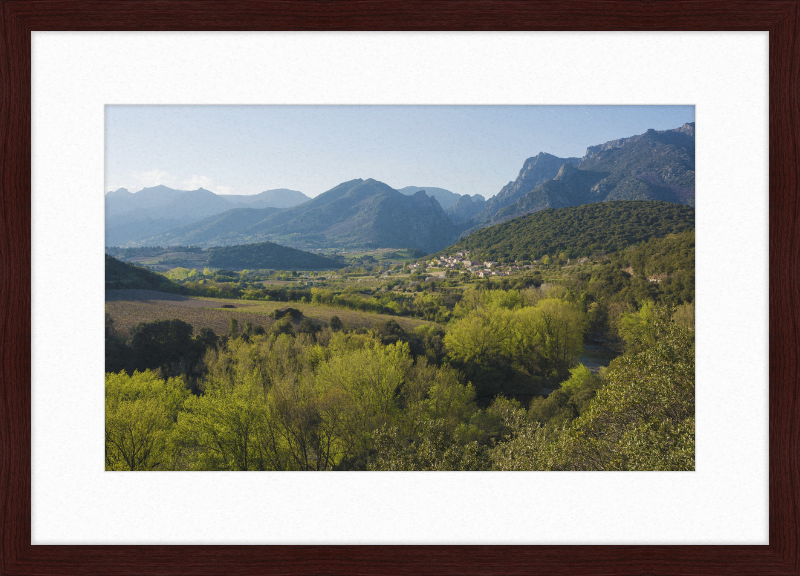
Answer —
130 307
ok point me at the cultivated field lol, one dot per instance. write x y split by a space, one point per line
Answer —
130 307
194 260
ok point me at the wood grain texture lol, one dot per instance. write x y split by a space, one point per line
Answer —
18 18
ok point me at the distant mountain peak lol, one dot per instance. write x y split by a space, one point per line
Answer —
154 188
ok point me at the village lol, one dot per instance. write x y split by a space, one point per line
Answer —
461 261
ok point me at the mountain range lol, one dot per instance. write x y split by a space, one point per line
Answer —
656 165
158 209
445 198
359 213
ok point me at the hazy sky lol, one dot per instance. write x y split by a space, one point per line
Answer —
249 149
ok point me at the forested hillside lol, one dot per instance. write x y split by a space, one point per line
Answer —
268 255
122 275
577 231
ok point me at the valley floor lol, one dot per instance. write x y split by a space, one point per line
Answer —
130 307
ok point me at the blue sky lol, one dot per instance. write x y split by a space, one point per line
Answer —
249 149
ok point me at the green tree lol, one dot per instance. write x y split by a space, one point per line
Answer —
481 337
560 326
368 379
140 416
220 430
165 344
283 326
435 448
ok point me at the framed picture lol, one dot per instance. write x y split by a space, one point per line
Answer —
29 547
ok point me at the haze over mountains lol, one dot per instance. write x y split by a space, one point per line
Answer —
358 213
155 210
656 165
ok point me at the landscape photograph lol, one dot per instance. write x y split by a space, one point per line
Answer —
399 288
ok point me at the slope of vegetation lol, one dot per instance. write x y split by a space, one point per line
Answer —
577 231
268 255
122 275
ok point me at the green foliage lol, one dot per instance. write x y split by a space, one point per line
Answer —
667 255
181 273
165 344
638 329
641 419
568 401
577 376
140 416
290 312
269 255
435 448
283 326
220 430
124 275
684 316
579 230
523 344
308 326
311 398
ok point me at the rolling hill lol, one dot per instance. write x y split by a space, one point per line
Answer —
123 275
267 255
576 230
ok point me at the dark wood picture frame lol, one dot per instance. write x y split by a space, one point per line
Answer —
19 17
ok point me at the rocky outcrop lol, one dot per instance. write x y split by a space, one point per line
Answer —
664 136
650 166
466 208
570 187
535 171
